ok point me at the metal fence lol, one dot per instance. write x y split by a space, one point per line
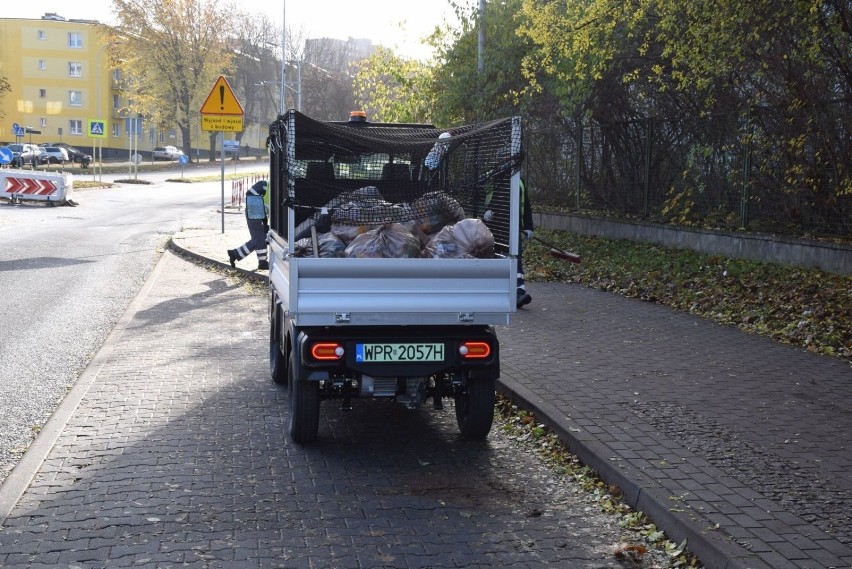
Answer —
786 171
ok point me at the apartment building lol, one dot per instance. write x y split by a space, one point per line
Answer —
61 84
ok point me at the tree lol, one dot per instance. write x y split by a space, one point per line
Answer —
706 72
170 53
327 81
394 89
503 85
695 57
256 67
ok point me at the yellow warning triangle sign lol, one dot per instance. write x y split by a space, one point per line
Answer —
221 100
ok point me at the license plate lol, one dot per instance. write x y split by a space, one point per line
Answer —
399 352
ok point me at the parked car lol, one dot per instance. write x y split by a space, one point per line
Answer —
55 154
74 154
43 156
166 153
25 154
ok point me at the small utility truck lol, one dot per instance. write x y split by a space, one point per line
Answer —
392 252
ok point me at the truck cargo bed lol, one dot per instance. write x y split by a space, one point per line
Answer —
381 292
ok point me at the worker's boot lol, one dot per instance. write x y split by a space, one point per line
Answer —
263 265
233 257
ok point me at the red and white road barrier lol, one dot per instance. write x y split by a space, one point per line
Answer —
19 185
238 193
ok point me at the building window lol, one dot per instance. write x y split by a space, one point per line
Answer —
116 130
41 35
116 74
75 69
75 98
42 65
42 122
75 39
133 126
75 127
42 93
116 102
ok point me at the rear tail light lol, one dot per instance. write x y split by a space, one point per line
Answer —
327 351
475 350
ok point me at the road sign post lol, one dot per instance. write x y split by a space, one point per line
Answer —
97 128
222 112
182 159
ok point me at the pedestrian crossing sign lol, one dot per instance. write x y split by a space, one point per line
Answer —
97 128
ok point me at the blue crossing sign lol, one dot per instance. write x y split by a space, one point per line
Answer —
17 130
97 128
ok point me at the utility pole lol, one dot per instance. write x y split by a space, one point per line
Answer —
480 45
283 55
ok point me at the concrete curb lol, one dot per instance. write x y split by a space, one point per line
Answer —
250 275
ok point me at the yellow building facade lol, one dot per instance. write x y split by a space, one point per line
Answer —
60 80
63 90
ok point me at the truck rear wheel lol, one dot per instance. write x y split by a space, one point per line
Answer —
304 407
277 362
475 408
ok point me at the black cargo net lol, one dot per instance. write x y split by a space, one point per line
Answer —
401 184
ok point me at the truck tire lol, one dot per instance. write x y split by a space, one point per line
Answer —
277 361
475 409
304 407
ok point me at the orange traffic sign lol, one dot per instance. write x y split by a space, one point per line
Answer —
221 100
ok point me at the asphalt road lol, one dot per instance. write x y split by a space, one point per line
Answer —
66 275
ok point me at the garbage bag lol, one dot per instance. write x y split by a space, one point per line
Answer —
329 246
389 241
434 210
467 239
347 233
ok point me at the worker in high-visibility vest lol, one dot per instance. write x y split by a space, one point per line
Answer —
257 213
526 227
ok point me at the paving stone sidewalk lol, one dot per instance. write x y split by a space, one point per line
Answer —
737 443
